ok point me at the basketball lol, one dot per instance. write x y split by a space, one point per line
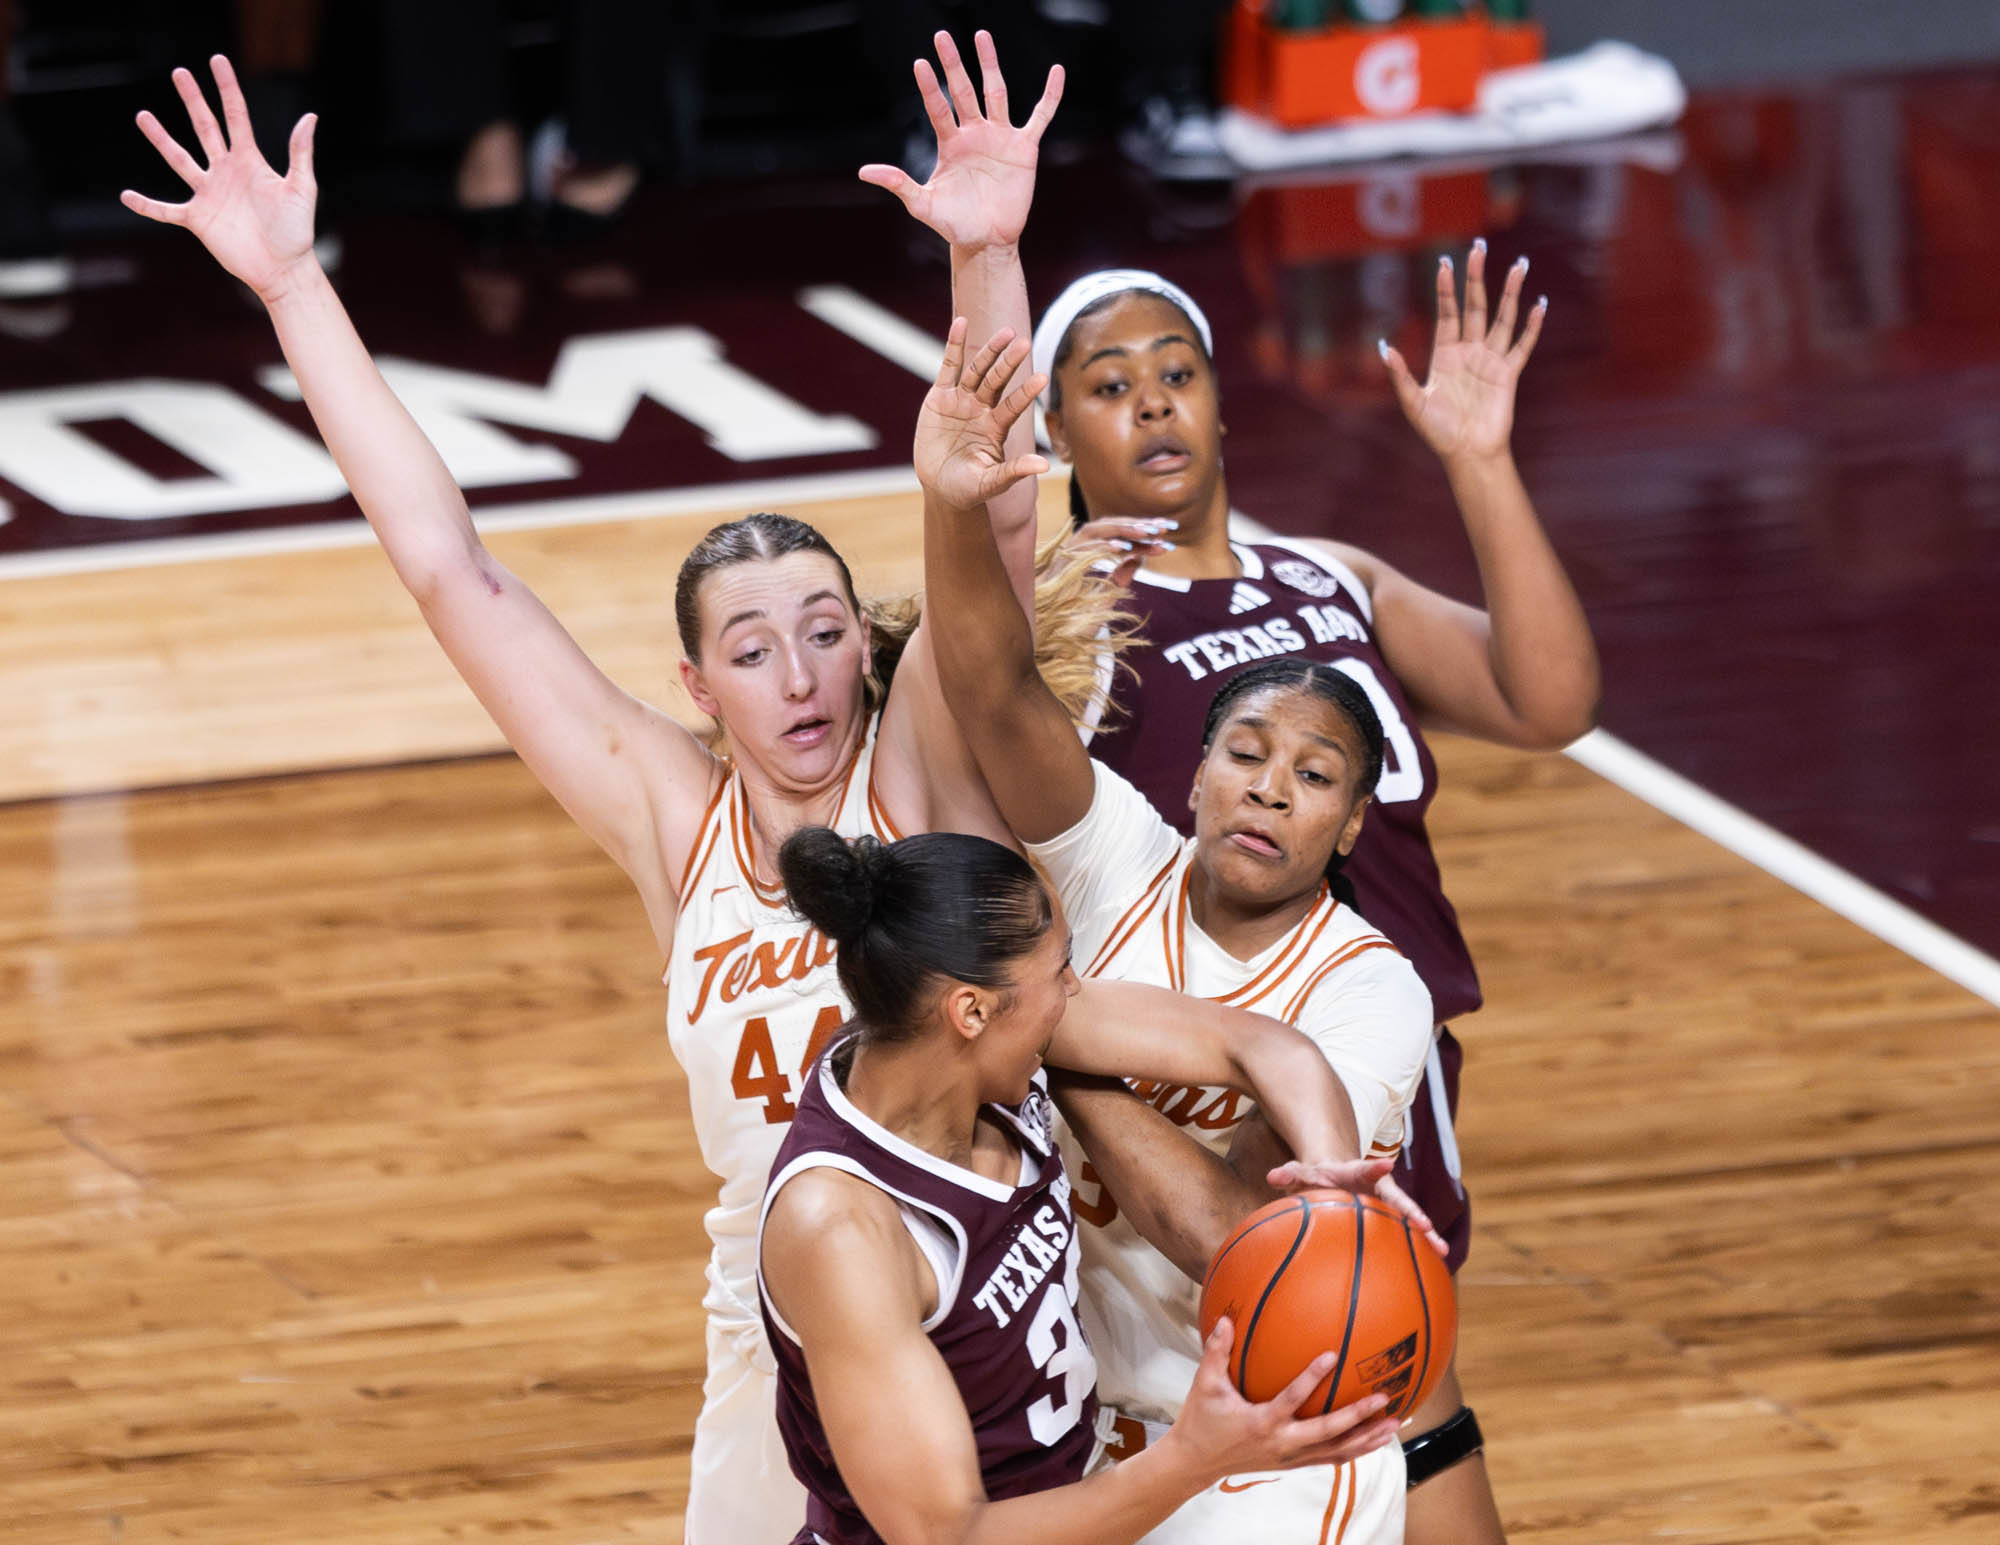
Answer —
1328 1271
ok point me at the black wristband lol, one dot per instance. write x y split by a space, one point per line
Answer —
1456 1437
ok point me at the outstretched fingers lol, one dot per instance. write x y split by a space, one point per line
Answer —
1508 311
1004 477
1008 411
992 84
1475 291
171 150
1447 288
983 375
1408 392
1525 344
937 106
299 170
963 97
1045 110
153 209
235 111
953 363
206 130
894 178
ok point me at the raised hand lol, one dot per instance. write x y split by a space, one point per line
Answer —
256 224
984 182
960 452
1466 408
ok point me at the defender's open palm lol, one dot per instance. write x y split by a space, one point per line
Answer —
257 224
1466 407
960 453
984 182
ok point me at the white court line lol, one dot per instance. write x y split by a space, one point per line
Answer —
872 326
751 494
919 353
1770 850
1798 866
1603 753
868 324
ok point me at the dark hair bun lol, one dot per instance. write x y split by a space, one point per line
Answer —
832 882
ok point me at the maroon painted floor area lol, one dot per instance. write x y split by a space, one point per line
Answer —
1764 424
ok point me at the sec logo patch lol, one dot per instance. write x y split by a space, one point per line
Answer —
1303 576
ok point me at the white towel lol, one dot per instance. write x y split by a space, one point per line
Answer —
1608 89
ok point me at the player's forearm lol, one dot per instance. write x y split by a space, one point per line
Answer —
1116 1506
1150 1031
1543 656
989 289
397 476
1300 1094
980 636
1182 1197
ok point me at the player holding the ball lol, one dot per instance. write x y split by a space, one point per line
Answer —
1242 913
918 1253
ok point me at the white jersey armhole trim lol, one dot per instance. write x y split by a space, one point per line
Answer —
938 1236
1336 568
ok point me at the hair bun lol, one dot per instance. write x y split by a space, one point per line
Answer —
833 883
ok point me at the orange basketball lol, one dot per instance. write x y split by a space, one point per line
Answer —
1328 1271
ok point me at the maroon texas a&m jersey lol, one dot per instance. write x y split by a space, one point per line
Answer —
1290 600
1005 1258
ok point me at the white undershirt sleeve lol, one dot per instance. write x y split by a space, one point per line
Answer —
1372 1019
1103 863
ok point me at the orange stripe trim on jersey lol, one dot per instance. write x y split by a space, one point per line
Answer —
1129 924
1134 916
1299 948
1173 939
1346 1473
1347 953
878 813
746 862
1297 944
774 895
704 841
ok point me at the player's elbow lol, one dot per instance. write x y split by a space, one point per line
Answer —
1550 726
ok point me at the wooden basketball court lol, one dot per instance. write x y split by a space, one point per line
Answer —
349 1192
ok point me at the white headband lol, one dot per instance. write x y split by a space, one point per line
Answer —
1092 288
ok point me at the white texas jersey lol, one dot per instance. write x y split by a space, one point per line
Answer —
752 997
1123 876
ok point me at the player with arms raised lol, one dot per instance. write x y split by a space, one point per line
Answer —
777 648
1242 913
1134 406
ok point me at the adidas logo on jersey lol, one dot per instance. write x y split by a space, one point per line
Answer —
1246 597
